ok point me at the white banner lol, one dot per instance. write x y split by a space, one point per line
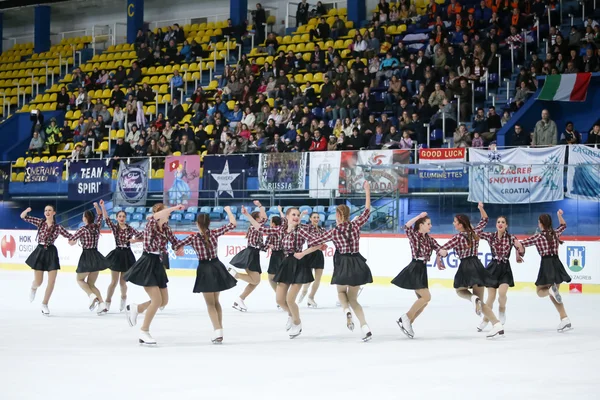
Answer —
324 175
518 175
583 175
577 256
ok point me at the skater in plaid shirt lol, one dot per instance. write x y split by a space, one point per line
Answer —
314 260
552 271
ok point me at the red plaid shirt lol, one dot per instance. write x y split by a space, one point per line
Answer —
47 235
155 239
461 245
345 236
500 246
122 236
292 242
421 244
255 237
89 234
543 246
199 245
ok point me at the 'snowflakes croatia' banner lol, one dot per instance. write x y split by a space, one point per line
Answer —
583 175
282 171
518 175
382 168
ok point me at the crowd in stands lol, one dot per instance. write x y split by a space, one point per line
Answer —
380 92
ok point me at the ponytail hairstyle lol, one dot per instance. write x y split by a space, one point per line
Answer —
255 215
203 221
420 222
466 223
343 211
276 220
89 216
549 234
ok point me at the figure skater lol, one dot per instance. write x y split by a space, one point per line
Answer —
273 243
249 259
149 272
552 272
314 260
414 276
211 275
471 273
91 261
121 258
350 269
292 273
45 256
501 243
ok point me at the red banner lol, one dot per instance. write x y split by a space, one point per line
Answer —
438 156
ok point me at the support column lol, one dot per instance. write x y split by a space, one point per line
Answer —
1 32
41 29
357 11
135 18
238 11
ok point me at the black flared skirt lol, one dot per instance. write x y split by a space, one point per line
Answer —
120 259
413 277
551 271
91 261
44 258
164 259
212 276
249 259
350 269
275 261
315 260
501 272
148 271
293 271
471 272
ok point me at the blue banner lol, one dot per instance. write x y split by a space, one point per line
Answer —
132 184
228 174
89 180
43 172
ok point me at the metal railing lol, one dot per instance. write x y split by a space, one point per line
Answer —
292 7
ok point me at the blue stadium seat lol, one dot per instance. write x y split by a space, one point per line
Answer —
176 218
130 210
137 217
189 217
113 216
234 209
193 210
273 210
217 213
307 208
322 217
286 208
148 215
117 209
319 209
305 219
205 210
331 209
140 210
330 220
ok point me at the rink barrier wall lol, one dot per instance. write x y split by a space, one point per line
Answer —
386 254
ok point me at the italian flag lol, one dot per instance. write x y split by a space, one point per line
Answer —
566 87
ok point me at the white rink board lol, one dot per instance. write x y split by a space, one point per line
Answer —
385 255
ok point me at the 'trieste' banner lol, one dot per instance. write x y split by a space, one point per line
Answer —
518 175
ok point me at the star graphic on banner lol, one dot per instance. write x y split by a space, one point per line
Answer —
224 180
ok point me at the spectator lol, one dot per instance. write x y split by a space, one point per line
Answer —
62 99
82 99
37 120
570 136
406 143
520 138
141 149
117 97
36 145
302 13
339 29
133 136
188 147
260 20
122 149
163 147
477 141
319 143
176 112
53 137
462 138
594 135
134 75
176 80
271 44
545 132
118 121
322 31
77 152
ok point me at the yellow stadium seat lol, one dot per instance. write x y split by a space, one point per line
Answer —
103 146
52 159
121 133
160 174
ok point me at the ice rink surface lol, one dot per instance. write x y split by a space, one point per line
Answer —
74 354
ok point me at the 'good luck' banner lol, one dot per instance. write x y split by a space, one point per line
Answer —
89 180
518 175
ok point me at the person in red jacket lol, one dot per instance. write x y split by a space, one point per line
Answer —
319 142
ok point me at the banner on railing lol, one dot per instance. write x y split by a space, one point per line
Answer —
132 184
324 173
227 175
380 167
583 174
90 179
182 180
282 171
520 175
441 157
43 172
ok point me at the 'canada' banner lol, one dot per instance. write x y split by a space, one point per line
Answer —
43 172
441 157
132 184
90 179
583 175
282 171
380 167
518 175
182 180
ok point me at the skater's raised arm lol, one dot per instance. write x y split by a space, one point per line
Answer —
252 221
32 220
281 213
164 213
230 215
411 222
263 213
104 212
367 188
482 211
561 221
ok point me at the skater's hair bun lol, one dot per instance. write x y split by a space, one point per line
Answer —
420 222
546 221
344 212
158 207
89 216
